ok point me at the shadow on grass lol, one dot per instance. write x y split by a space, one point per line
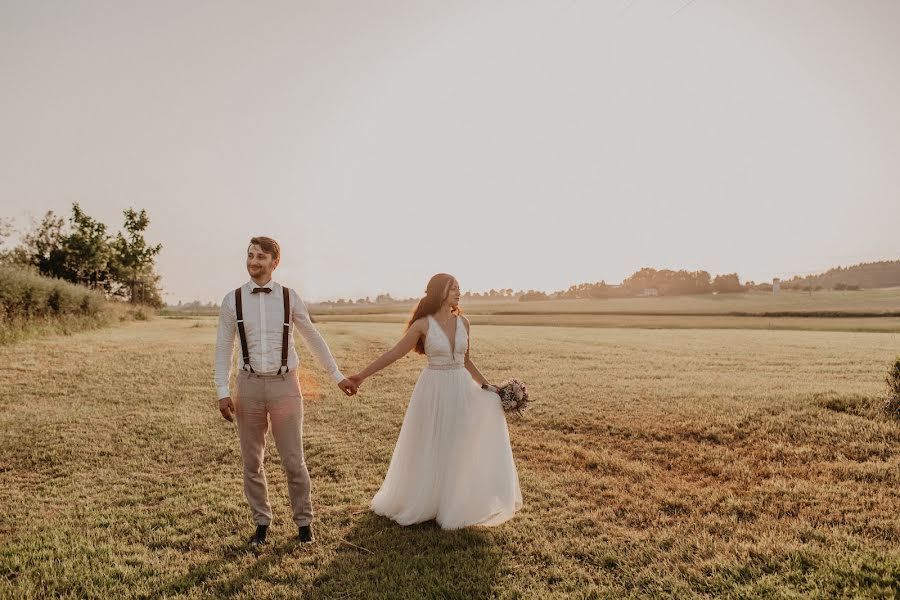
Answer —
199 576
376 558
420 561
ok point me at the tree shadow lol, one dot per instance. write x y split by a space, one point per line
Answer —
379 559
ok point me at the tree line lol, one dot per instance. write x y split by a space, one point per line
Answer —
880 274
667 282
82 250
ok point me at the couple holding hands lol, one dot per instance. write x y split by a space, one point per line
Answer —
452 462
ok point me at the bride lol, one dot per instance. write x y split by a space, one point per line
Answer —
453 461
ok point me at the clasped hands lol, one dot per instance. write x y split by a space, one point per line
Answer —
350 385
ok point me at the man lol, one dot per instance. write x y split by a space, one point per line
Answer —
262 312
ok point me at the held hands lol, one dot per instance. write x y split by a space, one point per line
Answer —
348 386
357 380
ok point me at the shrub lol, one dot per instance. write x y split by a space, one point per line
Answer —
32 304
892 402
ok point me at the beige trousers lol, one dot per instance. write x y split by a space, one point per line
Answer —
260 400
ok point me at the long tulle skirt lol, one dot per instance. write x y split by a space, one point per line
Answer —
453 461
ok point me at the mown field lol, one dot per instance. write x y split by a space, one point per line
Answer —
886 300
860 311
669 463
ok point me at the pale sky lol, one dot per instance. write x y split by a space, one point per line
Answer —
514 144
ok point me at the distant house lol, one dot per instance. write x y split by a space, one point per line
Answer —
776 285
650 292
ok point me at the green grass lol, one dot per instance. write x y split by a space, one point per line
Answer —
654 463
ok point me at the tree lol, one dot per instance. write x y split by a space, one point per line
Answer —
86 254
727 284
87 250
668 282
43 248
133 261
6 230
532 295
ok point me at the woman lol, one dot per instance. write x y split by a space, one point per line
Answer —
452 462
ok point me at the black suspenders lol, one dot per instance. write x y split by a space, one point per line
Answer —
287 329
240 323
285 334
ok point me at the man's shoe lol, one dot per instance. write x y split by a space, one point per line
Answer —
306 534
259 538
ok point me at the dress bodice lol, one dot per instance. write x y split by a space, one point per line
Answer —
441 354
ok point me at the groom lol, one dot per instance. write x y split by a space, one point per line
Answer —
261 312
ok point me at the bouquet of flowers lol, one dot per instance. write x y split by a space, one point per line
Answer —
513 396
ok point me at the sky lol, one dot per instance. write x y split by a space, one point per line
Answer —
520 144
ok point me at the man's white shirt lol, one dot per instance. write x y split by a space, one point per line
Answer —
263 324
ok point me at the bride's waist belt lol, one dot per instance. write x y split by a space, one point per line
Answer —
448 367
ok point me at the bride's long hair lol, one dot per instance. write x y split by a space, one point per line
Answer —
437 290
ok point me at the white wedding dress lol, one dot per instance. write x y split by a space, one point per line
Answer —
453 461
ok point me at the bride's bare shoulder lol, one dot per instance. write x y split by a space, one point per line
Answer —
465 321
420 324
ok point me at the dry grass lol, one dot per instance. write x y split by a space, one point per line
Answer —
862 311
32 305
886 300
638 321
111 312
666 463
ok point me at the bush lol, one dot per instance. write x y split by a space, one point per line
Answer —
33 304
892 402
26 295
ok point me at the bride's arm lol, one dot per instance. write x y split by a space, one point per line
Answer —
401 349
470 366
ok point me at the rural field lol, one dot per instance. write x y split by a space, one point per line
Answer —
882 300
876 310
675 462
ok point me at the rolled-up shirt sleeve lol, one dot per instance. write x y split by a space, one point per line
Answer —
225 345
312 339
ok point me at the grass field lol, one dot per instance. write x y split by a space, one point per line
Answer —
670 463
648 321
886 300
861 311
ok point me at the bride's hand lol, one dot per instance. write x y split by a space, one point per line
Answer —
356 379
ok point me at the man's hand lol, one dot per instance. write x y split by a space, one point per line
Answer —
348 387
226 407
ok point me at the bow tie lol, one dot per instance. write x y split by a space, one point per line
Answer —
261 290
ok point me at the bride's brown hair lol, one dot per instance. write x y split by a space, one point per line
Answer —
436 292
